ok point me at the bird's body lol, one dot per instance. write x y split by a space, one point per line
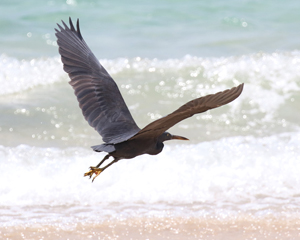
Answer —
129 149
105 110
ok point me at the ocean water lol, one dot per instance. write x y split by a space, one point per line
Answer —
237 177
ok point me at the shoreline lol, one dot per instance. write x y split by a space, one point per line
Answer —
241 227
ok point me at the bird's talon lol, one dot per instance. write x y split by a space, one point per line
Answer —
94 170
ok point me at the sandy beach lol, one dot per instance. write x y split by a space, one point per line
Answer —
246 227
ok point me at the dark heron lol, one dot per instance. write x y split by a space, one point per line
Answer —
104 108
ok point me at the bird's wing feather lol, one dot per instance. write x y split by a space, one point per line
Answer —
195 106
98 95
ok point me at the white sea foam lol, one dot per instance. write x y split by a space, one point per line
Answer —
240 170
20 75
277 72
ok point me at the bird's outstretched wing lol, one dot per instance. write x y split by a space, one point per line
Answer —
195 106
97 93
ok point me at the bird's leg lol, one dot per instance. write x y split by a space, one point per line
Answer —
98 170
105 158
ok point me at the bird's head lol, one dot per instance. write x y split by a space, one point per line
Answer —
168 136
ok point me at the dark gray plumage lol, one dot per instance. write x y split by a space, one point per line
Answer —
105 110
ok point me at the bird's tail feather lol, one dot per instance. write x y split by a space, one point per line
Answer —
104 148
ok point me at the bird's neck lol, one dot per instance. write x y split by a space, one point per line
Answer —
159 146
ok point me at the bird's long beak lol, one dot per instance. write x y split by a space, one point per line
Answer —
179 137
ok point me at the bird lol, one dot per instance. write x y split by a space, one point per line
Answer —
105 110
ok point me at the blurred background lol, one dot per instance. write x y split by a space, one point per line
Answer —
241 165
159 29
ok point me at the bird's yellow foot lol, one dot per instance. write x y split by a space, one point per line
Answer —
94 170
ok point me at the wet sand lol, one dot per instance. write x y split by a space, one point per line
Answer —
246 227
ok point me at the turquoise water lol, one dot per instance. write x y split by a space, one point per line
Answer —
240 170
157 29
